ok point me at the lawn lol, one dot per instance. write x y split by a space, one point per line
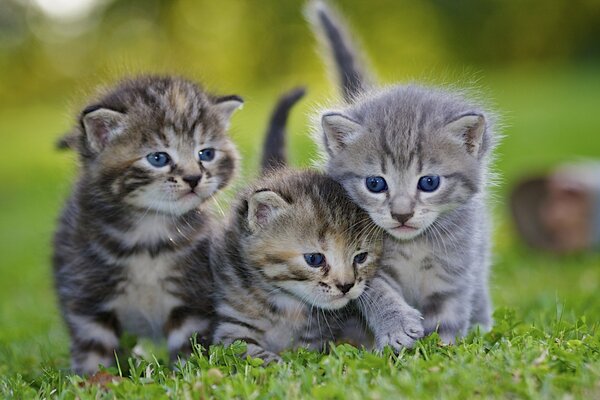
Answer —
545 343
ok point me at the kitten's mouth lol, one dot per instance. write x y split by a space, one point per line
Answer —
404 228
190 194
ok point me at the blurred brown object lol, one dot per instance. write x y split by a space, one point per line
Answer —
560 212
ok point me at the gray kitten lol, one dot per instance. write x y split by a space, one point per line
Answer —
131 248
294 255
416 159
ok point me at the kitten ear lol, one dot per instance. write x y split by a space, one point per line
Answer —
470 129
339 130
101 125
226 105
263 207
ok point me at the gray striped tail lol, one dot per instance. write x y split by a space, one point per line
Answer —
332 32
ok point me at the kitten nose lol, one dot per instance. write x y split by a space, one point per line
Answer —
402 218
345 288
192 180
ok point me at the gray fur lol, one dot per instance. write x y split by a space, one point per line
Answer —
434 277
131 247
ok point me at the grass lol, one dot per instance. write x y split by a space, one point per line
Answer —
545 343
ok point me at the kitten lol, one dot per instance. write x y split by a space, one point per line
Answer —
296 252
131 248
416 159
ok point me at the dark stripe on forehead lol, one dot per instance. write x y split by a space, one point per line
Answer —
387 151
160 134
322 233
195 125
419 155
383 165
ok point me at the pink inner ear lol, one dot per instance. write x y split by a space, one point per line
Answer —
101 125
101 130
263 212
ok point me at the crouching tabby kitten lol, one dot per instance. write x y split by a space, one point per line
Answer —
131 248
416 159
295 253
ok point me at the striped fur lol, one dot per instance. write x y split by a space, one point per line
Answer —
434 272
131 248
266 293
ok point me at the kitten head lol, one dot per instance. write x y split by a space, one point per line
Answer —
158 143
408 155
308 239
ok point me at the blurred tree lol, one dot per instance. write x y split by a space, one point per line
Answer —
247 44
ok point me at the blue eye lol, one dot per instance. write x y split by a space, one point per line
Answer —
206 154
158 159
315 260
429 183
376 184
360 258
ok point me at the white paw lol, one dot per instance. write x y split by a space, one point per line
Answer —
403 332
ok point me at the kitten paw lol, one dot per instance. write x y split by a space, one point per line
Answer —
269 358
403 332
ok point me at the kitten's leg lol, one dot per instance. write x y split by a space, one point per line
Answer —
94 340
481 314
181 326
229 329
448 313
393 321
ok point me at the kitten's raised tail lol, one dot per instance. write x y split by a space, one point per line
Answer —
274 152
333 34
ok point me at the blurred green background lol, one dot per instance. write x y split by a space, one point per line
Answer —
537 62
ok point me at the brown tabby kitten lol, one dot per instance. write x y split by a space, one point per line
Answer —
131 248
296 252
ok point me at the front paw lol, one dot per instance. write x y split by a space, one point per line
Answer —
268 357
402 331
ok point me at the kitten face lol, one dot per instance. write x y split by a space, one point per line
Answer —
320 249
167 150
408 161
174 176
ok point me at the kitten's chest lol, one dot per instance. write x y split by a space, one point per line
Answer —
289 324
145 297
416 270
